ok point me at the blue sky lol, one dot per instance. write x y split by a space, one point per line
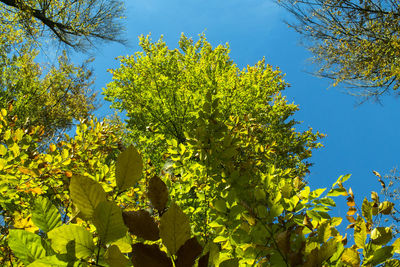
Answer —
359 138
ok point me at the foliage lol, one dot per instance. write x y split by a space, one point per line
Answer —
353 41
163 92
52 98
391 192
26 173
74 23
294 231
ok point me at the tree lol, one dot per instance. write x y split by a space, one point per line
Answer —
355 42
72 22
51 98
165 92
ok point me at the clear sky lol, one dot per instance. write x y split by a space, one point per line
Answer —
359 138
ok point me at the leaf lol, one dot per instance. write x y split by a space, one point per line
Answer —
351 202
351 257
377 174
337 192
107 218
351 211
381 235
360 233
72 235
141 224
381 255
174 228
25 245
386 207
203 261
45 215
54 261
374 196
86 194
188 253
149 255
128 169
366 209
157 193
124 244
115 258
229 263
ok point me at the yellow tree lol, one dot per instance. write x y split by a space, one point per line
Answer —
356 42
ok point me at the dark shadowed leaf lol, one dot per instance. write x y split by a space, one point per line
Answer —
141 224
158 193
149 255
188 253
203 261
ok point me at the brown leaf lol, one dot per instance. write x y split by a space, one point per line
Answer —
351 202
149 256
382 183
141 224
157 193
351 219
351 211
377 174
188 253
203 261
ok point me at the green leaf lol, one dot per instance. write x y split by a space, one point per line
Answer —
86 194
45 215
229 263
337 192
381 235
327 201
351 257
174 228
360 233
366 209
55 261
386 207
107 218
75 237
128 169
381 255
25 245
115 258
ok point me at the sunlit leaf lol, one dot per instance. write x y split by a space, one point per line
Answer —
129 168
174 228
107 218
45 215
86 194
25 245
72 237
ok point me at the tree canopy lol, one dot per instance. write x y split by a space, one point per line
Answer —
355 42
164 90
